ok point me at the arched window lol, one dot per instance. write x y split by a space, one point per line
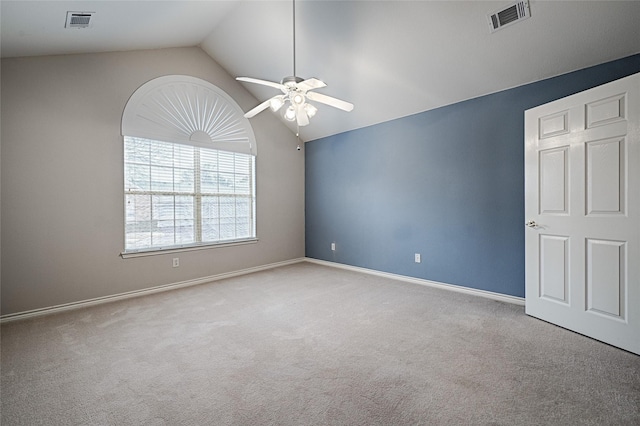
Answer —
189 167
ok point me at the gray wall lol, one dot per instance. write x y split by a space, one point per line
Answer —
62 180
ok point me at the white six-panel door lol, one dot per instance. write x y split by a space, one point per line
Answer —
582 207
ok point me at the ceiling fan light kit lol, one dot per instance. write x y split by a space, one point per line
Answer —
276 103
310 110
296 92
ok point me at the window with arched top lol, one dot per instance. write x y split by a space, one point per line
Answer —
189 167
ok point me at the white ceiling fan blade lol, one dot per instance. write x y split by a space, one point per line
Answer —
263 82
301 116
310 84
258 109
328 100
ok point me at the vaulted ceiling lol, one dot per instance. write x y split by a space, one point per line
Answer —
390 58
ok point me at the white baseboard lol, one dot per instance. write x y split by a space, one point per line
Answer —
475 292
138 293
203 280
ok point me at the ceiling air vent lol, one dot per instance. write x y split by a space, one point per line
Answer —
79 20
509 15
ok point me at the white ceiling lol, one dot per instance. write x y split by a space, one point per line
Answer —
389 58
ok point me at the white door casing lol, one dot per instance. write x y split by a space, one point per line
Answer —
582 209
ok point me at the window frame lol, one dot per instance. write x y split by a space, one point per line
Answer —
197 194
185 110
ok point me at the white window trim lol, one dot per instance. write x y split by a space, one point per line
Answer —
179 249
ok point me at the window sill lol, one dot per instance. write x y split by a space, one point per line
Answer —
169 250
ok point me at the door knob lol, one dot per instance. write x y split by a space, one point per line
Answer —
531 224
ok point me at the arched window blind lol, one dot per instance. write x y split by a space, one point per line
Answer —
189 163
188 110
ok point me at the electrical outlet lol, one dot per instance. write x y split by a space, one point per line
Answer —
333 246
176 262
418 259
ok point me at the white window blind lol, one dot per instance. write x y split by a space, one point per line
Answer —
178 195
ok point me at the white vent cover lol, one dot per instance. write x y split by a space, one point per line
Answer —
509 15
79 20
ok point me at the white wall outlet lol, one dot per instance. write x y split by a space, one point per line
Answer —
176 262
417 258
333 246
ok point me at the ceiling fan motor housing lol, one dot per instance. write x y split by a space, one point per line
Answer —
291 81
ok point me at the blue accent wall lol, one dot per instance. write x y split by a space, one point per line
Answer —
446 183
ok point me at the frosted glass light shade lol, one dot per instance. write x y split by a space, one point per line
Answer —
297 99
310 110
290 113
276 103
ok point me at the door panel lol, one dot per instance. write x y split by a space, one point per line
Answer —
605 176
554 268
606 111
605 277
554 178
582 206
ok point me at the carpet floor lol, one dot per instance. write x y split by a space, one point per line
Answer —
310 345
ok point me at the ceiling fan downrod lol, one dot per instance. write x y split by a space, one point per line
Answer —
294 39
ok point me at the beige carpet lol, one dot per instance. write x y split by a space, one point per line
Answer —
310 345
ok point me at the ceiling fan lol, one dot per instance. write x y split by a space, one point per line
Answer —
296 92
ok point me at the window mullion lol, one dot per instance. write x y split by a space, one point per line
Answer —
151 209
173 179
252 196
198 195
